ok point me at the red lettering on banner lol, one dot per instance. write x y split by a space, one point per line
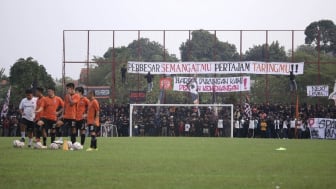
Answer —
183 88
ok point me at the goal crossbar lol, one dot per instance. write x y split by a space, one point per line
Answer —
179 105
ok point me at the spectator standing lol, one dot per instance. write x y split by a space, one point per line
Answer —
149 79
14 126
123 71
5 126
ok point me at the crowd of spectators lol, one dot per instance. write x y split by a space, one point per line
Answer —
265 121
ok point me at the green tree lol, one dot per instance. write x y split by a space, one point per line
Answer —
327 30
26 72
2 74
205 46
274 52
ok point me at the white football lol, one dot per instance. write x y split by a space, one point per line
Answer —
38 145
18 144
15 143
70 144
54 146
77 146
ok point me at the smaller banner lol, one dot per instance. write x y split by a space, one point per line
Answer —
322 128
100 91
317 90
166 83
220 84
137 96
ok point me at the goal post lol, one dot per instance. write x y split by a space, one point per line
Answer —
215 107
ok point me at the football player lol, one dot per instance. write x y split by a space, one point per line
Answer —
69 114
27 109
82 106
93 119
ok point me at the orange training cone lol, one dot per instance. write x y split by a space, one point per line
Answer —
65 145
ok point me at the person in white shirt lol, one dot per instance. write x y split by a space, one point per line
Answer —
236 128
27 109
253 123
220 127
298 128
186 128
277 127
292 124
285 129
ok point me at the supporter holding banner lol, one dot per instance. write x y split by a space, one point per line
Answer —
223 84
322 128
241 67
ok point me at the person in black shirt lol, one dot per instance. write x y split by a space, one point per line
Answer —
149 79
123 71
292 82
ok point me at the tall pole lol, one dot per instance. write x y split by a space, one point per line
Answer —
139 56
292 45
113 69
240 58
87 60
164 59
318 55
266 76
63 65
214 54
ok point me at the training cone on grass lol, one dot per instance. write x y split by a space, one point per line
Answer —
281 149
65 145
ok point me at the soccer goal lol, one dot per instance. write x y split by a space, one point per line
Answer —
181 120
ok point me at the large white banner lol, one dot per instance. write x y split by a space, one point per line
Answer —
220 84
318 90
242 67
322 128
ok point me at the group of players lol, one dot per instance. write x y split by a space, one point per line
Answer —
51 115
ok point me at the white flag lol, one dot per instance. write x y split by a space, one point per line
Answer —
6 104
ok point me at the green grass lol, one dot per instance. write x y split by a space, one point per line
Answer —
173 163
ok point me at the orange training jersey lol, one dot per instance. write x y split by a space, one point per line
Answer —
51 105
82 106
40 103
70 110
93 110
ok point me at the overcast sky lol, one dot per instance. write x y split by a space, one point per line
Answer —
34 27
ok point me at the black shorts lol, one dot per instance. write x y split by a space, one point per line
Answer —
93 128
48 124
69 123
80 124
28 124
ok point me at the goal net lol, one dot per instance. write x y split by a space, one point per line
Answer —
181 120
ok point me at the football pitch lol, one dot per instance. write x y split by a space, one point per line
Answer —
173 163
